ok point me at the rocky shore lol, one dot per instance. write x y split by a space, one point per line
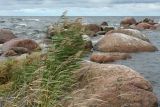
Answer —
99 84
108 85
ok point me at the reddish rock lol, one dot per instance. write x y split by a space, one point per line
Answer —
118 42
109 85
108 57
92 29
145 26
25 43
127 21
130 32
6 35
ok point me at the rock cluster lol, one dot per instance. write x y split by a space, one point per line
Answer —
94 29
130 22
13 46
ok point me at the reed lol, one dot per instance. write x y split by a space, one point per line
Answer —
45 81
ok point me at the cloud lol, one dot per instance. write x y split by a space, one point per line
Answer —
134 1
80 7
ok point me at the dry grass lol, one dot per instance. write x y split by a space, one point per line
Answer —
43 81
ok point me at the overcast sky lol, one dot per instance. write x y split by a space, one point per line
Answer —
80 7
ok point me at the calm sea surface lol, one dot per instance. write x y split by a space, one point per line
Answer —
147 63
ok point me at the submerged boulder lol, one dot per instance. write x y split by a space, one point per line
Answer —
29 44
6 35
131 32
127 21
110 85
108 57
119 42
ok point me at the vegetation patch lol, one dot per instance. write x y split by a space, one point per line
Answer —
44 80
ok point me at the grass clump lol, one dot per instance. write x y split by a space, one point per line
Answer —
45 81
68 46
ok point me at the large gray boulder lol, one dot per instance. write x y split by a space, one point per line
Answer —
131 32
119 42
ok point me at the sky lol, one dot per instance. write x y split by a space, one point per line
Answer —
80 7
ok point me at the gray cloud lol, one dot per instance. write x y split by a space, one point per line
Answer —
43 6
19 4
135 1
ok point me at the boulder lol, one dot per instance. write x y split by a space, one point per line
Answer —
108 57
50 32
92 29
145 26
87 42
104 24
130 32
119 42
110 85
127 21
6 35
157 26
29 44
107 28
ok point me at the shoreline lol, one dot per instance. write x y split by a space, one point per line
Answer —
140 83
